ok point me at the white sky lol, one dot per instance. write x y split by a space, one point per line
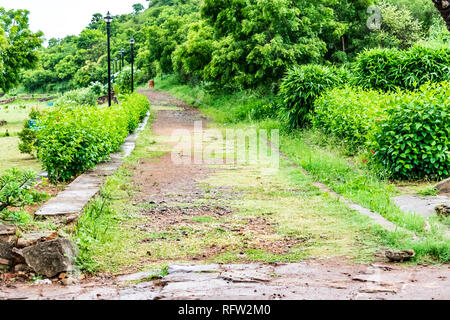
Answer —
59 18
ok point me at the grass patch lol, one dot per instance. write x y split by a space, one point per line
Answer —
10 156
328 161
15 114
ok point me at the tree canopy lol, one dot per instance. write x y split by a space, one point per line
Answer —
227 44
18 46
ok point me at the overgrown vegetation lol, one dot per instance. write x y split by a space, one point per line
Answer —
413 142
74 139
301 87
389 69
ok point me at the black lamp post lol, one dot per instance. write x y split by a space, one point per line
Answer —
132 42
108 20
122 52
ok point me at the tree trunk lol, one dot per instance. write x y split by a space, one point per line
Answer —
444 8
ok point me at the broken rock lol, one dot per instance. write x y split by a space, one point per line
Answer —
6 255
51 257
32 238
7 230
443 210
399 255
444 186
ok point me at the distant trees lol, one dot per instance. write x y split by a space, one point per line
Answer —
18 46
138 8
232 44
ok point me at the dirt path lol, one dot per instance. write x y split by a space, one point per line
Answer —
204 227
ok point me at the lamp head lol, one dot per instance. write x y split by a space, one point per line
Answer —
108 17
132 42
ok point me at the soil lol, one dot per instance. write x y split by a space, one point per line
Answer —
161 184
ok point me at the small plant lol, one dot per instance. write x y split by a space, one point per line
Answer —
429 191
98 88
91 229
28 136
16 191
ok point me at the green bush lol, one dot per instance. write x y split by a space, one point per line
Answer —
351 114
75 139
79 97
413 142
388 69
98 88
301 86
28 137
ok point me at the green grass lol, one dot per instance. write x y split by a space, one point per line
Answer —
15 114
10 156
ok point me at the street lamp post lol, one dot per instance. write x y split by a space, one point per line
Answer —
122 52
132 42
108 20
115 69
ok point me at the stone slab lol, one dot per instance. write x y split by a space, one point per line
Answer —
192 268
444 186
421 205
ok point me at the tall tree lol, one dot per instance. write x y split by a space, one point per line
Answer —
18 46
257 40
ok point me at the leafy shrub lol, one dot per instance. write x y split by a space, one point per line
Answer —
301 86
136 106
413 142
79 97
98 88
399 29
351 114
122 81
388 69
28 137
15 189
75 139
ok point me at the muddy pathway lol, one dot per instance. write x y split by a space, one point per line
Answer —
162 183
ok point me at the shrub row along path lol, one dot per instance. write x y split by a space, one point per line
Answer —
239 233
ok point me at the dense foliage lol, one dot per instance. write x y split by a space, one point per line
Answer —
388 69
301 87
230 44
413 142
17 46
407 131
351 114
75 139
